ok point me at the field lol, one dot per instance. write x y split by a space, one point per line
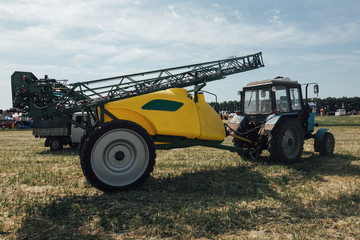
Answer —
193 193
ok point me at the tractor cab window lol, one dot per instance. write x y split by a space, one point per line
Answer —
295 99
282 104
257 101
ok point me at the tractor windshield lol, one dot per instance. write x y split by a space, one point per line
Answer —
257 101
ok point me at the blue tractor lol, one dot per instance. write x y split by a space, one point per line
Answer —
274 116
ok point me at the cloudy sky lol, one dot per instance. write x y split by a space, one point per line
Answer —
308 41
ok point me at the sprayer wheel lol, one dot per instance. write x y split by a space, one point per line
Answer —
117 156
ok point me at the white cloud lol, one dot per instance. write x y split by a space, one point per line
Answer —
80 27
237 14
89 39
215 5
275 18
344 61
220 20
173 12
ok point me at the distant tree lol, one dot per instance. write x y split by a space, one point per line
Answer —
331 104
215 106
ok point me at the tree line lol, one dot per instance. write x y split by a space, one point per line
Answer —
329 104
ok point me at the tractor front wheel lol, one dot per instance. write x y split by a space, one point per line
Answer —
326 146
286 141
117 156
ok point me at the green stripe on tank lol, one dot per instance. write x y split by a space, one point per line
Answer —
163 105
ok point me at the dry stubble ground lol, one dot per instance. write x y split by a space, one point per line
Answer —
193 193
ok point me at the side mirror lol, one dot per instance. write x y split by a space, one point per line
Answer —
316 89
240 93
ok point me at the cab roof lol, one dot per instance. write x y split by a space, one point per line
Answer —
275 81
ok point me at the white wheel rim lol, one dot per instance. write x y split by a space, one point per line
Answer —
120 157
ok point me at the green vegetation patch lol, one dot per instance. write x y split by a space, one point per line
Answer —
353 120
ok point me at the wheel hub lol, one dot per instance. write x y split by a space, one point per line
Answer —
120 155
290 142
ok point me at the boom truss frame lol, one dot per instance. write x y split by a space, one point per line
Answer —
49 97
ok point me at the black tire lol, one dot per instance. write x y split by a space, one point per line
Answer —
286 141
56 144
82 141
117 156
326 146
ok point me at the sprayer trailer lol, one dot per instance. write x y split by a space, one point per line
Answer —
126 118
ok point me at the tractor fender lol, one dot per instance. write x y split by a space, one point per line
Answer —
311 122
320 134
272 119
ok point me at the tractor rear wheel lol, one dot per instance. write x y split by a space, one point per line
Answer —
286 141
117 156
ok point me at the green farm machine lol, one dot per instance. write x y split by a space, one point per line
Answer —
126 118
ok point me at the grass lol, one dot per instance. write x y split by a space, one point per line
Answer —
353 120
193 193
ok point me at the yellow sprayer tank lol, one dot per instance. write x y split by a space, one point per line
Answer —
170 112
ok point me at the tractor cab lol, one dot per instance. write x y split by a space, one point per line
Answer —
262 98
